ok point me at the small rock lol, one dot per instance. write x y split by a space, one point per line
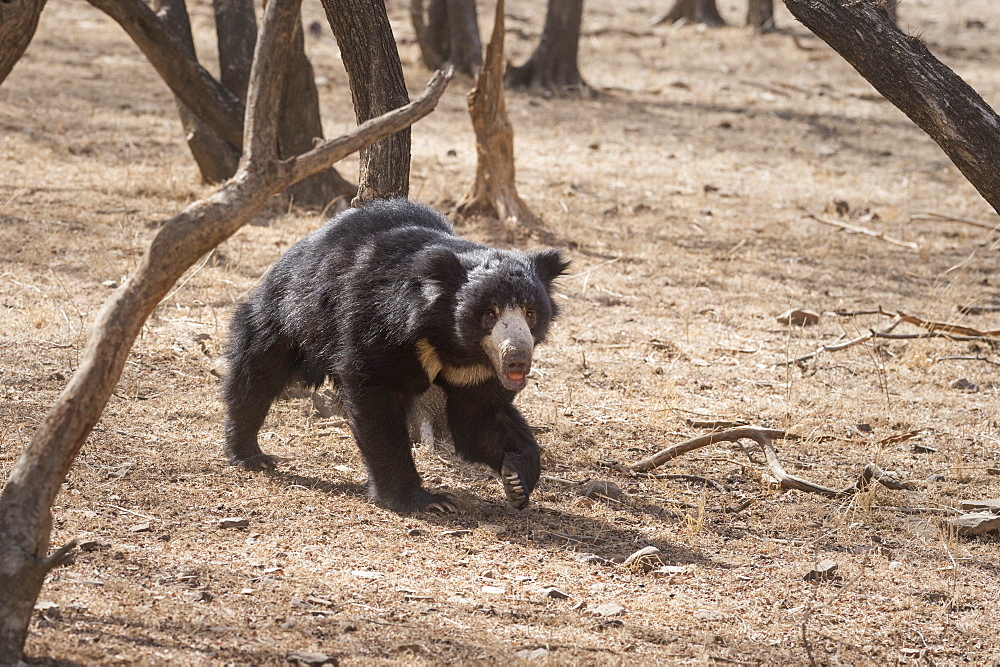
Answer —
200 596
494 590
607 609
555 593
599 488
315 599
963 384
865 427
984 505
594 559
709 615
234 522
489 574
668 571
141 528
799 317
923 449
310 658
93 545
825 570
460 532
976 523
110 284
494 528
47 609
532 653
644 560
936 477
416 532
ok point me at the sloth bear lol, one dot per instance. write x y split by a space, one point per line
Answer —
383 301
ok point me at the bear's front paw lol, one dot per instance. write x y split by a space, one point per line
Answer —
517 496
255 462
422 501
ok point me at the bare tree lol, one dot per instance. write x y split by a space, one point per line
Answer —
368 49
693 11
553 66
495 190
448 32
26 500
901 68
18 21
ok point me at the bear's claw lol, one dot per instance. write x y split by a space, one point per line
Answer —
513 487
255 462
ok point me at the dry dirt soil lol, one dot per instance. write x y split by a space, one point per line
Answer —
689 193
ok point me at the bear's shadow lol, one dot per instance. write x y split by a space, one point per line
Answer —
538 525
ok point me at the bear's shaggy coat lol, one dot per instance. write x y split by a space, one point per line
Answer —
384 300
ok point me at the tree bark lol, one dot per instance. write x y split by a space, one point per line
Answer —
901 68
760 15
449 33
189 81
368 49
26 500
552 67
694 11
301 127
236 35
495 190
216 158
18 21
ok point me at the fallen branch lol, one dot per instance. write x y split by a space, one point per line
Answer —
946 327
836 347
856 229
762 436
939 217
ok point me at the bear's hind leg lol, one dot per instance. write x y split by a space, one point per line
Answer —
255 378
378 420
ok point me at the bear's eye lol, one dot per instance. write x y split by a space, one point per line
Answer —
490 317
529 314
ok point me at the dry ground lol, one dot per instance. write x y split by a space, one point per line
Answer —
682 193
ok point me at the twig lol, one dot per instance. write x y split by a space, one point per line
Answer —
856 229
836 347
946 327
731 435
693 478
124 509
870 473
930 215
961 358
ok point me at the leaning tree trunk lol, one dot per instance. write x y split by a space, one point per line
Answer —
300 128
448 33
901 68
18 21
760 15
368 49
26 500
552 66
216 158
494 190
694 11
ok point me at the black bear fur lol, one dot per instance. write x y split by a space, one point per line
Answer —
383 300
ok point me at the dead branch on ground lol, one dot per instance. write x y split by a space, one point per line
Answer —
836 347
857 229
762 436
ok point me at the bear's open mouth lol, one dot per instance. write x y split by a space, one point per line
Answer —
514 381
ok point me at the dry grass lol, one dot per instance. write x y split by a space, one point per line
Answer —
681 192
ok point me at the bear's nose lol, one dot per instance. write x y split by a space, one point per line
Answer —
519 362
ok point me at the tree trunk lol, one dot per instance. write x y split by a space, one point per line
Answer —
448 34
25 504
236 34
694 11
216 157
901 68
495 190
369 52
18 21
552 66
760 15
300 128
189 81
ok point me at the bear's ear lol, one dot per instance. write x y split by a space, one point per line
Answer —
441 265
549 265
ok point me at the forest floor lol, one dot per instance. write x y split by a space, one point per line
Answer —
689 193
